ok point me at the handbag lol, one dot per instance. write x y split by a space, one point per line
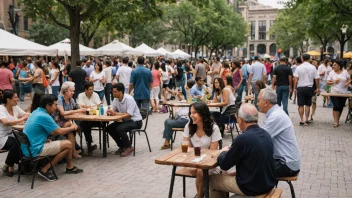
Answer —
45 81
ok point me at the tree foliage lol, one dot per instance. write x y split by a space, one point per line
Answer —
47 33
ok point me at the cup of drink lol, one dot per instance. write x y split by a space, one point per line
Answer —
197 148
87 112
184 146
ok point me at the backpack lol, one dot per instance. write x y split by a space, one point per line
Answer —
179 73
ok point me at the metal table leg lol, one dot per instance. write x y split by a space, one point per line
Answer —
172 181
206 182
104 139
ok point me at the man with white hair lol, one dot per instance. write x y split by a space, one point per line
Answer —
252 154
280 127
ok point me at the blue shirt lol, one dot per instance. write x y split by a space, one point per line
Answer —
258 70
37 128
197 91
88 70
141 78
281 130
244 71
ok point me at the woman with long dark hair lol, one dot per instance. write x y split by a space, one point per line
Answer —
339 80
97 77
201 131
10 114
35 101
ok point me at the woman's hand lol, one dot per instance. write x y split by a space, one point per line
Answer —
23 118
82 110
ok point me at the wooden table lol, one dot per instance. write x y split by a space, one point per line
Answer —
349 96
185 104
103 119
177 158
19 127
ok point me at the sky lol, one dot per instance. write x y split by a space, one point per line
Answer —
272 3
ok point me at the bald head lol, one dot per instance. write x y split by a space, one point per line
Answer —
248 113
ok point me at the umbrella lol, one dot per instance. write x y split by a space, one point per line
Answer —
266 56
313 53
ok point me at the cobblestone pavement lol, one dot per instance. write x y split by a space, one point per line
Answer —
326 166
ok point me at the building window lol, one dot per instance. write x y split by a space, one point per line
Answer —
262 30
272 37
272 49
251 47
261 49
252 30
25 23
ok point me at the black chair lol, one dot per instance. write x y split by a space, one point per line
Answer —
23 139
98 128
185 172
230 114
145 115
174 131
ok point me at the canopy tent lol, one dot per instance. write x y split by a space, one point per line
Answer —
313 53
12 45
180 54
118 48
64 49
163 51
148 51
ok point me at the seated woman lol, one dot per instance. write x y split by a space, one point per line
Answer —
201 130
10 114
179 122
35 101
339 80
66 105
223 95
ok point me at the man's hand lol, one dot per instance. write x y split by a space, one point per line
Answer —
75 127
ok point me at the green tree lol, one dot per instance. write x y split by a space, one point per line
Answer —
47 33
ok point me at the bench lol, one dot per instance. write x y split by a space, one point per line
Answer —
174 131
288 180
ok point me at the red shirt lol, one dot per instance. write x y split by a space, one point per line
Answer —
268 67
5 79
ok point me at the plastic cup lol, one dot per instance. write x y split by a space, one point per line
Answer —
197 148
184 146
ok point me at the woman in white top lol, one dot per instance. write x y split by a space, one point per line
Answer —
10 114
223 95
201 131
54 78
97 77
108 86
339 79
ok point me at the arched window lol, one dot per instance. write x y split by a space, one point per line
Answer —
261 49
272 49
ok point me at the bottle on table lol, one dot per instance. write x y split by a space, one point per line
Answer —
101 109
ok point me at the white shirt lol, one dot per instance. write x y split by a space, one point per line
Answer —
53 73
6 131
306 74
205 140
326 71
108 74
169 68
339 87
127 105
124 74
92 101
98 86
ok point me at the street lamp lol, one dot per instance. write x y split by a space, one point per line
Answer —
304 46
14 17
189 45
344 30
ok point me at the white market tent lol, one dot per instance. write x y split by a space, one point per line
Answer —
12 45
163 51
64 49
180 54
118 48
148 51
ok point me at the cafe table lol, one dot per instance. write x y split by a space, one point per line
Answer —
349 96
178 158
184 103
103 119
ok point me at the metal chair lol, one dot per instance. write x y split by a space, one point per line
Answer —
145 115
174 131
230 113
100 132
23 139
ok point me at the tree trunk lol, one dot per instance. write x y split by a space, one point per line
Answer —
74 36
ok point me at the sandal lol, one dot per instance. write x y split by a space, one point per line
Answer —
78 156
336 125
301 123
306 123
163 147
73 170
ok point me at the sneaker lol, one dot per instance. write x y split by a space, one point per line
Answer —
127 152
74 170
119 151
48 176
91 148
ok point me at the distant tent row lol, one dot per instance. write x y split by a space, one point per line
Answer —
12 45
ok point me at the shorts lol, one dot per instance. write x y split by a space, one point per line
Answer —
338 103
154 94
165 85
304 96
314 99
50 149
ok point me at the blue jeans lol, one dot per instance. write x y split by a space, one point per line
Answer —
23 90
181 83
282 93
171 123
240 90
101 94
55 90
108 88
143 103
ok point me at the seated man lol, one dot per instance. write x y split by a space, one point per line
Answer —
252 154
123 103
279 126
38 126
197 91
89 99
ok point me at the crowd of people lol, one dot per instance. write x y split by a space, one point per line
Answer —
260 154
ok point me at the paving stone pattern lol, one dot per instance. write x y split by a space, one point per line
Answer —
326 166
